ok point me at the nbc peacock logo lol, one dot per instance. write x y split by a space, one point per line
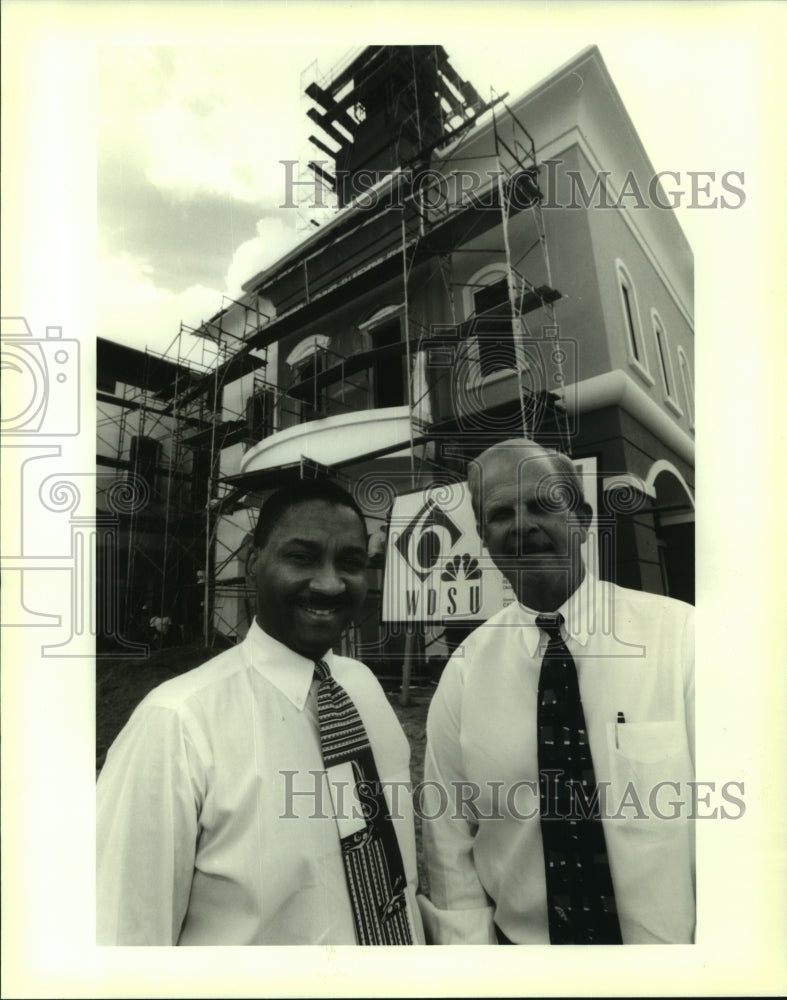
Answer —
463 567
461 580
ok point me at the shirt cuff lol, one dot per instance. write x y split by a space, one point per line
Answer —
474 926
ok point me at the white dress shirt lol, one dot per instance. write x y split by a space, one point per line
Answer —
193 847
634 654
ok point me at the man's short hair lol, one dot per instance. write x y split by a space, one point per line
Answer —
561 464
301 491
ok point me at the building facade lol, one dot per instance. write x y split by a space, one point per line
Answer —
491 269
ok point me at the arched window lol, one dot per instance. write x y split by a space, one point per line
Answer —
388 372
664 358
486 300
303 351
635 345
688 384
307 360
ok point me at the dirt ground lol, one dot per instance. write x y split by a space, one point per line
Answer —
122 683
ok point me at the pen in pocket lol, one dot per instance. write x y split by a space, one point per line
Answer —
619 721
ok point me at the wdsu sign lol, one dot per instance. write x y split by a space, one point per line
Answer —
436 568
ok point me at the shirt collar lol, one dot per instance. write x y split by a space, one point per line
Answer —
576 611
288 671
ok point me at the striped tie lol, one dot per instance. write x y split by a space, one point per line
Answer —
370 851
580 896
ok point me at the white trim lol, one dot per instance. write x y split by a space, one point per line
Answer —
574 137
643 373
670 403
664 465
333 439
629 479
632 325
688 384
482 126
306 347
487 275
664 358
561 144
617 388
386 313
480 279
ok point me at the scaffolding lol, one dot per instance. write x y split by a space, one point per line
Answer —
181 399
496 313
136 430
429 236
167 428
370 248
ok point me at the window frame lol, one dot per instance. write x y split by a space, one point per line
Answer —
305 348
383 317
688 385
490 274
632 325
664 356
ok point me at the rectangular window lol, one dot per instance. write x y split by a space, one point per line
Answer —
494 330
388 374
259 414
313 394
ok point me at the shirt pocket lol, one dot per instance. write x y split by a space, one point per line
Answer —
647 830
650 769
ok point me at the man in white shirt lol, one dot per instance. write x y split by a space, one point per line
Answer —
483 794
216 821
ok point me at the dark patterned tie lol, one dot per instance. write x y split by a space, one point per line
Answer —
580 896
372 859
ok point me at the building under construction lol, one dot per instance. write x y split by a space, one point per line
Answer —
473 271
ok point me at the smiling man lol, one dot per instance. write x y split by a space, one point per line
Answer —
260 798
554 729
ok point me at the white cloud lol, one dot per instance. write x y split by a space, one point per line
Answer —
273 239
133 311
223 121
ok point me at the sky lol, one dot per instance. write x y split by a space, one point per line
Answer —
177 115
190 137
